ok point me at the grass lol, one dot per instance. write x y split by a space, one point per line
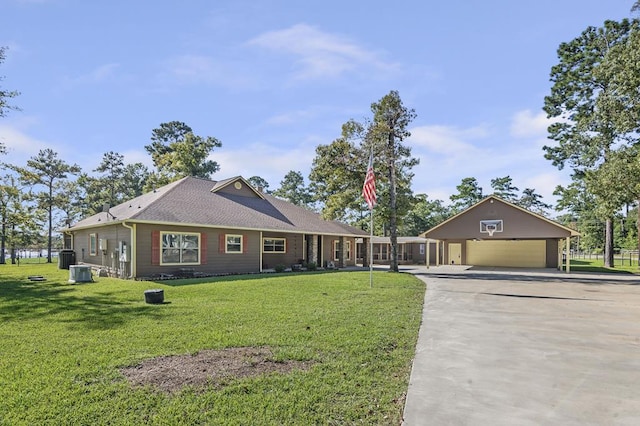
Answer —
61 347
597 265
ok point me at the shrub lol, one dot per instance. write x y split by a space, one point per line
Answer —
311 266
279 268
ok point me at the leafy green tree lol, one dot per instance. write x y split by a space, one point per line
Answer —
581 207
116 183
469 193
424 215
165 135
503 188
621 69
586 131
259 183
48 171
177 152
9 196
293 189
134 177
339 169
336 180
112 169
532 201
69 202
5 95
385 135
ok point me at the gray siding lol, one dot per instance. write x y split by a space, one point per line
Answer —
516 224
113 234
293 255
217 261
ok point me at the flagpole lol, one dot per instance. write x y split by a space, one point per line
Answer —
371 251
369 194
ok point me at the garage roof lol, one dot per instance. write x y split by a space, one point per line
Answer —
515 221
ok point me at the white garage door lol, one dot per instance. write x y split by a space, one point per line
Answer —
510 253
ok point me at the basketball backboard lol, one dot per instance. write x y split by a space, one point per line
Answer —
490 226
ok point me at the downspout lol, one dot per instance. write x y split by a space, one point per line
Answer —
261 248
132 228
70 234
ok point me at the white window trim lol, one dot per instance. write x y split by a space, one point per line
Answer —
284 244
348 247
336 246
197 234
93 251
226 243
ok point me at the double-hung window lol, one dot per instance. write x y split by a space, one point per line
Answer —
234 243
274 245
336 250
180 248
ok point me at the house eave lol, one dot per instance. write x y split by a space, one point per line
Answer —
208 226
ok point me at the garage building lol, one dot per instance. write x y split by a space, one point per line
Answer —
495 232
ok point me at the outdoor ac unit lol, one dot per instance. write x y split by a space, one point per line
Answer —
80 274
102 244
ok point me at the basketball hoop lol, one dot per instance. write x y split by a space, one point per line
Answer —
490 226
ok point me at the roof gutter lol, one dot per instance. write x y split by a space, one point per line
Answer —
132 229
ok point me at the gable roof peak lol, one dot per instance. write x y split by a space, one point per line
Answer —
238 182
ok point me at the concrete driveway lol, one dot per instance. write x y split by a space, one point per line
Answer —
514 347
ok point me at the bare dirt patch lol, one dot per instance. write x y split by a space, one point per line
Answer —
208 367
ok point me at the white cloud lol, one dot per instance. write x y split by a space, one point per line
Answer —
449 154
97 75
138 156
447 140
263 160
320 54
19 144
526 124
195 69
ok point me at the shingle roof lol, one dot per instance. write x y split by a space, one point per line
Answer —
190 201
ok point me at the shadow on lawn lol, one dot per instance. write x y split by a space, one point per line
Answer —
178 282
20 300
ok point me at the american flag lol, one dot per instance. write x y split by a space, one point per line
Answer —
369 187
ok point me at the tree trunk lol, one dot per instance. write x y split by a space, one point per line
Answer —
608 244
393 220
638 227
3 241
50 239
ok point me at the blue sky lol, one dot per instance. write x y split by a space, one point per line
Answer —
274 79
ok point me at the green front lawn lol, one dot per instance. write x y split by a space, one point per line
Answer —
62 345
597 265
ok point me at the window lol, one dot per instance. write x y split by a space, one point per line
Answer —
336 250
180 248
421 248
93 244
348 246
384 252
234 243
274 245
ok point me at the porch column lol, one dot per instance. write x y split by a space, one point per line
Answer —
313 250
559 254
341 249
568 268
428 254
